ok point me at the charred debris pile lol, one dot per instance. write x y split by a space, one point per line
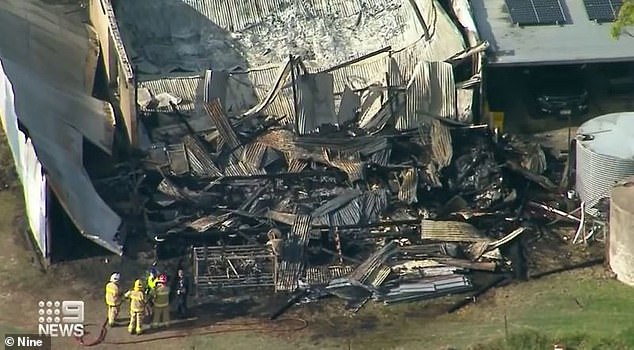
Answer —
361 214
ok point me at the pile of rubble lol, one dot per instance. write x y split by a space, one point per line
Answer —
362 207
390 215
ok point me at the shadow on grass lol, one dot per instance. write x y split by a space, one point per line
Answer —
534 340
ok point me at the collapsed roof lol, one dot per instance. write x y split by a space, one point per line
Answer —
163 36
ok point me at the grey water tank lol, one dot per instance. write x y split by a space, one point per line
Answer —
621 236
605 155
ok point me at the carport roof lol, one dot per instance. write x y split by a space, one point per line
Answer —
579 41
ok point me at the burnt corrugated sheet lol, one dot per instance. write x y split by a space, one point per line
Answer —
350 214
353 168
322 275
235 16
350 103
441 146
375 202
249 88
290 269
296 165
187 88
360 75
337 202
200 161
464 104
378 276
367 271
407 192
287 275
253 154
374 112
315 102
451 231
239 168
363 145
382 157
431 92
220 120
301 228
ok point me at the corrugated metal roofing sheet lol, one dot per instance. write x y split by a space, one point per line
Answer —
187 88
247 88
315 102
451 231
200 162
287 275
375 202
360 75
238 15
441 146
253 154
301 228
322 275
214 110
408 191
430 93
350 214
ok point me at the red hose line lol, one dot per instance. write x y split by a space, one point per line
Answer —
241 327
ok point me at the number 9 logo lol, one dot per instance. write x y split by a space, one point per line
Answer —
73 311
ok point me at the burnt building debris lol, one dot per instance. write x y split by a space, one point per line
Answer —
346 206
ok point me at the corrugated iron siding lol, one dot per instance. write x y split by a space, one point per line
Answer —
408 190
451 231
362 74
253 154
301 228
431 92
441 144
287 275
188 88
261 81
322 275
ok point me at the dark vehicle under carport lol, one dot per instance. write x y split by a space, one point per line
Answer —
558 90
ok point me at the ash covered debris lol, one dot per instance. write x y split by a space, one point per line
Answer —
308 203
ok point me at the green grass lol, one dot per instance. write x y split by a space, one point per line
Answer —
534 340
562 307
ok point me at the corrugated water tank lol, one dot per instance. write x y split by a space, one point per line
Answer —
605 155
621 237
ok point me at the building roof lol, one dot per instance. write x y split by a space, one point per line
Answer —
579 41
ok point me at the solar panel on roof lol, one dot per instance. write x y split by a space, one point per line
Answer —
534 12
602 10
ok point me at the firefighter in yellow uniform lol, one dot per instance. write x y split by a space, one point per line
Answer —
137 307
113 298
160 298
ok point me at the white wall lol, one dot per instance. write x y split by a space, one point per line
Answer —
27 165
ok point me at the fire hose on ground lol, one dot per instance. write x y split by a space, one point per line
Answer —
216 328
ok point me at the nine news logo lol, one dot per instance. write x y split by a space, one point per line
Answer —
61 318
